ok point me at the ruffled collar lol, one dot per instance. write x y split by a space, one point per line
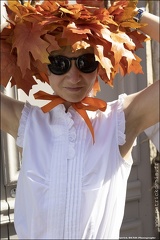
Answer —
88 103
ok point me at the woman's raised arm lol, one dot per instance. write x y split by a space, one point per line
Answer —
10 114
152 27
141 112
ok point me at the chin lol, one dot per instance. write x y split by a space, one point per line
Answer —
73 98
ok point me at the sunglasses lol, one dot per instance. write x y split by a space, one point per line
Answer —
61 64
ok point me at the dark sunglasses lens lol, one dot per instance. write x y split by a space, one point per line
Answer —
86 63
59 65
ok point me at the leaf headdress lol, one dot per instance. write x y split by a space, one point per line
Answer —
33 32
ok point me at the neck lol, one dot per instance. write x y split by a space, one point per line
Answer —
67 105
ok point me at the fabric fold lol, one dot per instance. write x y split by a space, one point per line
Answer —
120 119
23 121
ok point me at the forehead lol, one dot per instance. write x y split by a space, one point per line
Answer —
67 51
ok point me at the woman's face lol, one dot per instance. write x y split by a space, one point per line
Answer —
74 85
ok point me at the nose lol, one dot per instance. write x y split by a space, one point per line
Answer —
73 73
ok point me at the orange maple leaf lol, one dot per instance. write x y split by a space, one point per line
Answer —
135 65
24 34
138 37
25 83
118 41
73 34
53 45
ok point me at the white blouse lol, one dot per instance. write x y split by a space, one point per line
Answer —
68 187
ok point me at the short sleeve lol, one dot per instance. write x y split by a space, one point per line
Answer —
121 120
22 125
121 127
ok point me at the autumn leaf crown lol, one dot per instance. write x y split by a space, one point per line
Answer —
33 32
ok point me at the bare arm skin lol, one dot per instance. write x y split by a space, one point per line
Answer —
141 111
152 27
10 114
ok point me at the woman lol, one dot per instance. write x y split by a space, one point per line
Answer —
76 163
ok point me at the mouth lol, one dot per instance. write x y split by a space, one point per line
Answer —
73 89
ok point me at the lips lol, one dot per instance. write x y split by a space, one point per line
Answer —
73 89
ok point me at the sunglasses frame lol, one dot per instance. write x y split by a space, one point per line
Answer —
94 64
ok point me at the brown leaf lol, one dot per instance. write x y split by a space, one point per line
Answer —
25 83
105 61
123 66
123 9
24 35
8 65
52 41
40 70
138 38
135 65
73 34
